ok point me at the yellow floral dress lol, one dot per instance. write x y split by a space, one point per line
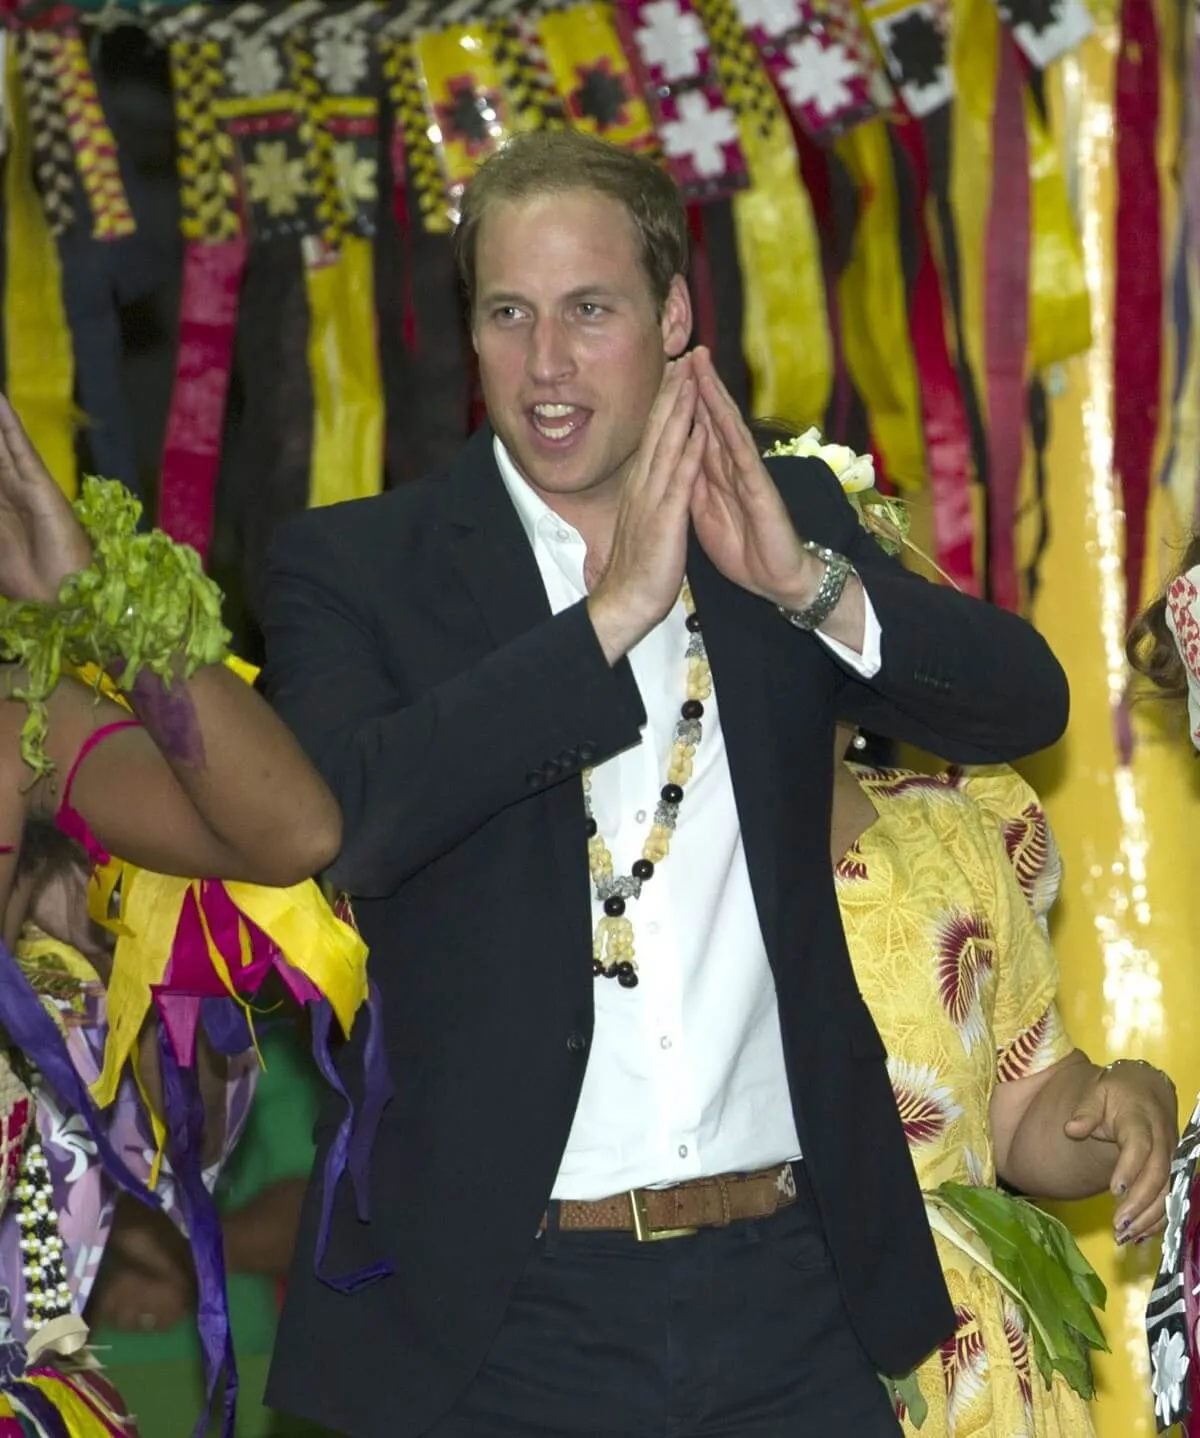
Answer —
944 901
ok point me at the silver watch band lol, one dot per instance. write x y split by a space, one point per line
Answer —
838 570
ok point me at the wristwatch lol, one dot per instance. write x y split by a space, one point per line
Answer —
837 570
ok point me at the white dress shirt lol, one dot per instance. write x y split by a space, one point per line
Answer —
686 1075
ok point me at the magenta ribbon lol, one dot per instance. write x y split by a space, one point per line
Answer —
212 278
1138 303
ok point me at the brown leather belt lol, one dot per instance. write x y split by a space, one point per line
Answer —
675 1212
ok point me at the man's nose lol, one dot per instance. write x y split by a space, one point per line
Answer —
549 358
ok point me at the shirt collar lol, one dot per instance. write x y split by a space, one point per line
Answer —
532 509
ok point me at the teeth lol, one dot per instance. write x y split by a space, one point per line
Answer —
553 411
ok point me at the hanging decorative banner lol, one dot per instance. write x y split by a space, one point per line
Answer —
258 111
346 64
53 158
944 418
465 101
592 73
914 39
1006 297
821 61
204 154
412 148
1060 311
1138 357
40 367
524 72
213 262
1046 29
697 127
316 142
785 328
347 457
208 306
876 334
95 148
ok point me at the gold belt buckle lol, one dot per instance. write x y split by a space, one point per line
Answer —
643 1230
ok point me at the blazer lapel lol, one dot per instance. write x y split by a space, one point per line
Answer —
496 562
489 545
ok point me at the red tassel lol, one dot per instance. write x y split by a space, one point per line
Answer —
1138 305
947 438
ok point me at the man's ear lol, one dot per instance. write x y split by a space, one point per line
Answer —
676 318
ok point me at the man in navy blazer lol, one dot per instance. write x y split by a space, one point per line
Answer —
643 1172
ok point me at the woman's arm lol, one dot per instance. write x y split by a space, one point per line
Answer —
213 784
1076 1129
220 791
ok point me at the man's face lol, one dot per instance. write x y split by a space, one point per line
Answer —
571 349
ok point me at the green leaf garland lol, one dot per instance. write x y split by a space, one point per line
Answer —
144 603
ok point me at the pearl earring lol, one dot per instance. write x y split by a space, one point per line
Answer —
859 742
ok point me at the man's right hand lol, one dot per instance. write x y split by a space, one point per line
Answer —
645 568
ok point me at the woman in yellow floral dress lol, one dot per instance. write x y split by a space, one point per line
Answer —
944 883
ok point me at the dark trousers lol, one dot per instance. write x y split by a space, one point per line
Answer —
730 1333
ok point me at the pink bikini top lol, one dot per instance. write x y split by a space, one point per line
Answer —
68 819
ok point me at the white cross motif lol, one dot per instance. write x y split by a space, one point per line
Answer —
699 134
772 17
817 76
671 40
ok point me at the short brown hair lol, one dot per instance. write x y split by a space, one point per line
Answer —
554 162
1151 647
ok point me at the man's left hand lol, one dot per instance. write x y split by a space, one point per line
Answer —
739 517
1133 1106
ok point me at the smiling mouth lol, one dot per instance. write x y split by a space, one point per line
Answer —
557 421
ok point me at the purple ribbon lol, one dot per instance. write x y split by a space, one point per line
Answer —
225 1026
352 1144
184 1112
37 1036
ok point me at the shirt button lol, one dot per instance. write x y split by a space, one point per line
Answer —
665 1042
576 1042
683 1150
562 536
640 816
652 928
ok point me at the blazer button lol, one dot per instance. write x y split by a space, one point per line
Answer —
551 770
569 759
576 1042
534 779
587 752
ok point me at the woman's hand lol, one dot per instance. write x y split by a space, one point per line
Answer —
41 540
1134 1107
1075 1129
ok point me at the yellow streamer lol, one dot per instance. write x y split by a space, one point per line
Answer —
974 60
296 919
347 460
1060 312
785 327
874 309
37 343
150 920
